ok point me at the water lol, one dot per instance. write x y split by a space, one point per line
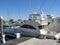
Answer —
1 43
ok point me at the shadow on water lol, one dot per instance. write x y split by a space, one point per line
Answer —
19 40
9 38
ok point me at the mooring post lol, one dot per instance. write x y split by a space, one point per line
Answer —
3 39
2 33
18 35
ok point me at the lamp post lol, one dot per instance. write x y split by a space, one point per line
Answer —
1 18
3 36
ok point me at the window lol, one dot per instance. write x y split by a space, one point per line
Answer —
28 26
58 20
40 27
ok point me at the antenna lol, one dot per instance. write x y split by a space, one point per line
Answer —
41 6
8 12
8 9
19 12
50 7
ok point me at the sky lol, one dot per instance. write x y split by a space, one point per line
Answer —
22 8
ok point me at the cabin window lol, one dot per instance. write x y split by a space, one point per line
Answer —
28 26
40 27
58 20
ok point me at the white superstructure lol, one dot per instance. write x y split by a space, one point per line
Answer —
40 18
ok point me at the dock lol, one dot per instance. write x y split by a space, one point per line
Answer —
31 41
18 41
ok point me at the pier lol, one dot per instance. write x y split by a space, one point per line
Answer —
31 41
